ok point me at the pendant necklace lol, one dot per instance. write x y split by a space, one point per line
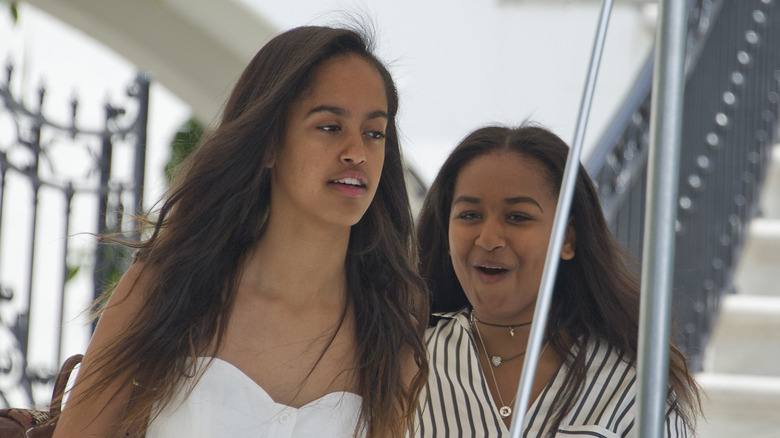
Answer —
511 327
505 410
498 360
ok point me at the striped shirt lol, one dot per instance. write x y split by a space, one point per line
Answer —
457 401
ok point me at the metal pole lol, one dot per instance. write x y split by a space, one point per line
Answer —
140 92
559 230
661 204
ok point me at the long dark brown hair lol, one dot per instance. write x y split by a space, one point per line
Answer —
596 293
216 211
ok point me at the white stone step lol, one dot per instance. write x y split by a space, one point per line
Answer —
770 195
746 337
739 406
758 269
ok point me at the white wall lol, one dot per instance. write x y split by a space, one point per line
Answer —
463 63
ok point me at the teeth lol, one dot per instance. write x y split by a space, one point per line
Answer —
350 181
491 271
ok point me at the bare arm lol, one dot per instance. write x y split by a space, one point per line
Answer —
93 417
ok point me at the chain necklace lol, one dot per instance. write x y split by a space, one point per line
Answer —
505 410
511 327
496 360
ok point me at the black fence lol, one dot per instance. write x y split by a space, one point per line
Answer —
729 127
59 181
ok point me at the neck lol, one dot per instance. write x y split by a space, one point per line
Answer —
504 342
301 266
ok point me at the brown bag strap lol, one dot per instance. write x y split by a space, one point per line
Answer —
61 382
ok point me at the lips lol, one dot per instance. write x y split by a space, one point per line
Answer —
491 270
351 183
351 178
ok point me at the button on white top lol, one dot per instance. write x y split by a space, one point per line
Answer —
227 403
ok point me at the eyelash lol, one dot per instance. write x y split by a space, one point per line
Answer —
468 215
374 135
471 215
519 217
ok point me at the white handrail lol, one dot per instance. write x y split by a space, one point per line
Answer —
559 230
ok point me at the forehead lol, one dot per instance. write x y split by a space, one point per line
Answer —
504 174
341 75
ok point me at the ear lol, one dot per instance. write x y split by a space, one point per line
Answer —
569 241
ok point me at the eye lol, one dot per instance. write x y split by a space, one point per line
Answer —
468 215
329 128
375 135
518 217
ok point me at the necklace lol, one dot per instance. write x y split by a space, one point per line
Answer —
495 360
511 327
505 410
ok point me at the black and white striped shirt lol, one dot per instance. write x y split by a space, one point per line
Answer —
457 401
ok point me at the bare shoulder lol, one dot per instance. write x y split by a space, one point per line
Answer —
93 416
130 294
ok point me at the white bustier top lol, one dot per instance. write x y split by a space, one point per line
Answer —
227 403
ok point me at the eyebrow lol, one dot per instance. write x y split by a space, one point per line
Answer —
341 112
507 201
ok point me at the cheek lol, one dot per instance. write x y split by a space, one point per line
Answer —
457 249
378 161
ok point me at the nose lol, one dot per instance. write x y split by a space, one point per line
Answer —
491 235
353 152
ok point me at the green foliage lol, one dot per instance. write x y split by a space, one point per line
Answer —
13 9
73 270
117 261
185 141
117 257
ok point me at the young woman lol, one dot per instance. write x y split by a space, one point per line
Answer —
484 231
277 295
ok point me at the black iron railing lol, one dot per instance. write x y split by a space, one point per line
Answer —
729 126
52 173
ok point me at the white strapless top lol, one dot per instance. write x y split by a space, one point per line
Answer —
227 403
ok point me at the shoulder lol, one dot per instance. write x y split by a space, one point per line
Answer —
447 325
606 400
131 292
101 394
124 306
443 319
610 376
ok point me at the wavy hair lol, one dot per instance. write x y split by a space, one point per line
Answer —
217 210
596 293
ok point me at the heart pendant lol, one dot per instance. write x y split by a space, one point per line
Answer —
496 361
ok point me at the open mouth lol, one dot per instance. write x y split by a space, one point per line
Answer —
354 182
491 271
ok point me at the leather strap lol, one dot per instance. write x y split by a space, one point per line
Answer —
61 382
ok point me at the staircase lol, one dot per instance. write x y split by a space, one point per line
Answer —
741 376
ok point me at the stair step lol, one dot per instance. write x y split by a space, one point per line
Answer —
739 406
746 337
757 271
770 198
